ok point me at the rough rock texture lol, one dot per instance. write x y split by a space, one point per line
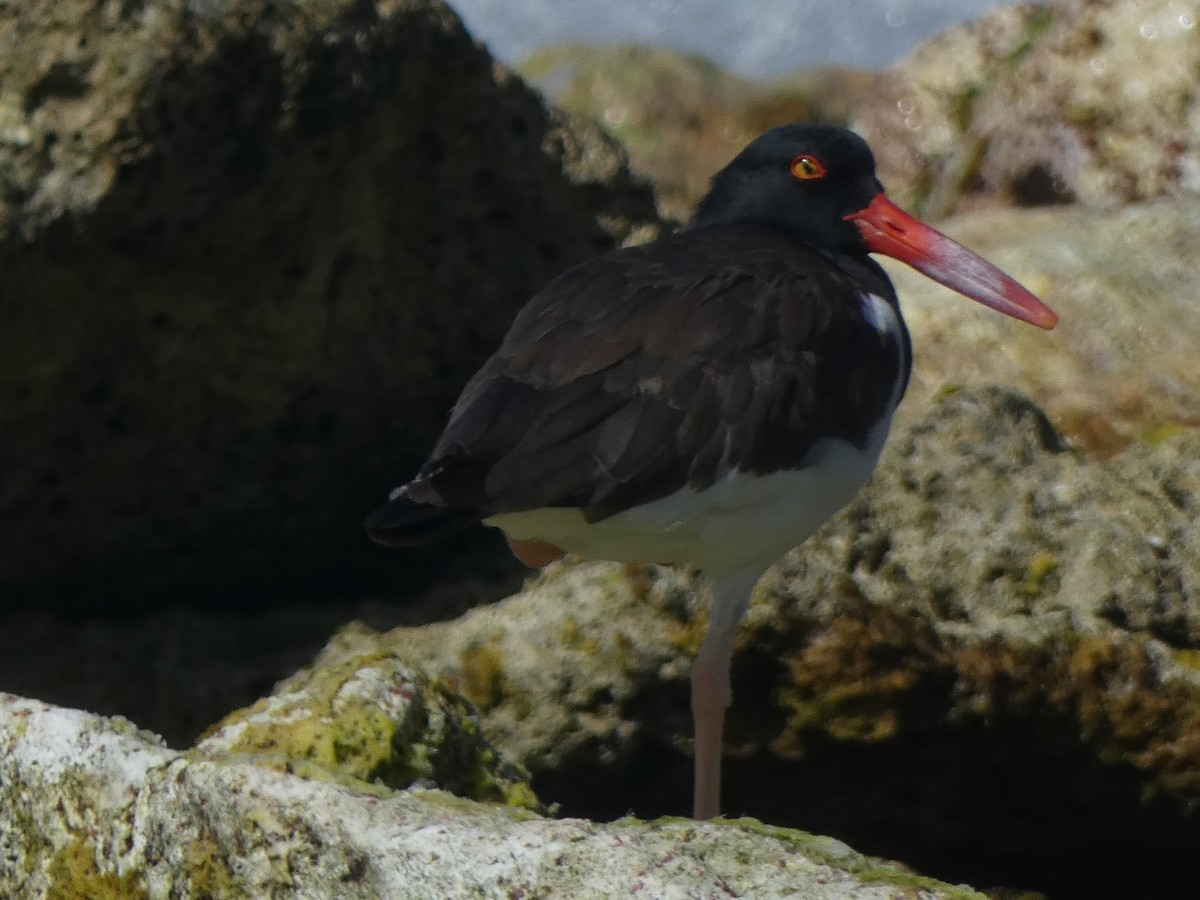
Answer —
1121 365
93 808
1034 103
248 253
1089 100
560 672
375 720
986 667
680 116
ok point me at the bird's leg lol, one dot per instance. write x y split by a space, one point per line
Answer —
711 691
711 695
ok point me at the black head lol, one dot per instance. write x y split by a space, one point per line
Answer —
817 183
803 179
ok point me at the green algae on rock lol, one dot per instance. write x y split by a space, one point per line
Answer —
161 824
374 719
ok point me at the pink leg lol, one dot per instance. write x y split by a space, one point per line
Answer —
711 693
710 697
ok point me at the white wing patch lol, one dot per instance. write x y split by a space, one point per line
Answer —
880 315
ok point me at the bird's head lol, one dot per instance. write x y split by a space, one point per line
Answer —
817 182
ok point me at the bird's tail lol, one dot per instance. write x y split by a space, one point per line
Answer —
404 522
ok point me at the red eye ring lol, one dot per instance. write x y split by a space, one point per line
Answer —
807 167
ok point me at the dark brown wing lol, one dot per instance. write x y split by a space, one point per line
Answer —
651 368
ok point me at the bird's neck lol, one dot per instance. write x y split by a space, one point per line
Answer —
866 272
850 260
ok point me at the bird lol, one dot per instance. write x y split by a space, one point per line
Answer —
709 398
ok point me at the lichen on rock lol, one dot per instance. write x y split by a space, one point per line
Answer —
109 814
374 719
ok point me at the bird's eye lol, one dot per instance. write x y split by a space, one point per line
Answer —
807 167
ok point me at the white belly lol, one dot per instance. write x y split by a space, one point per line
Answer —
741 522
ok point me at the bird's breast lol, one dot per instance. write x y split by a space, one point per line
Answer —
739 522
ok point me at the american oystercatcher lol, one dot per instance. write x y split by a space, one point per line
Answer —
708 398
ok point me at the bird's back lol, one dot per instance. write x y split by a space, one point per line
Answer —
664 370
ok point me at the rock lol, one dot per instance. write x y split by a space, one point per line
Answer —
1120 367
1031 104
985 667
999 624
97 809
681 117
375 720
247 259
562 672
1088 100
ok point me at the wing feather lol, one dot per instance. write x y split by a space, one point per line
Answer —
630 377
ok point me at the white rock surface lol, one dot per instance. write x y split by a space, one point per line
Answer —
92 807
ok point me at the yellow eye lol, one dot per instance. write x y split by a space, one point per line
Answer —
807 167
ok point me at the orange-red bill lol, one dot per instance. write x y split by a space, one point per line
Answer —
889 230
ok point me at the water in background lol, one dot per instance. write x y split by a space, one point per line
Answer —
752 37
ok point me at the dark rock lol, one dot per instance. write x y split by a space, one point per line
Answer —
247 257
